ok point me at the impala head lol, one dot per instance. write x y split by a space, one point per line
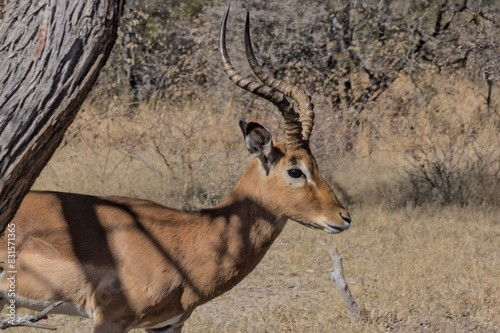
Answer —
287 172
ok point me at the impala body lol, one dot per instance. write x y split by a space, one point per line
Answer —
130 263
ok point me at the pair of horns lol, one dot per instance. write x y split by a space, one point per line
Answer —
298 127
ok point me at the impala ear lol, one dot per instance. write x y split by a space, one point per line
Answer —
259 142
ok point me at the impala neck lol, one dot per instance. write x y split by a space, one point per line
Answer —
247 200
249 226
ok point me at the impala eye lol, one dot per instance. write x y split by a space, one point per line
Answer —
295 173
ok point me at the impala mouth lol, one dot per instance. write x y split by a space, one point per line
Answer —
334 229
330 228
307 225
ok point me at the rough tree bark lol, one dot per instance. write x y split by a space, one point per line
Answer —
51 53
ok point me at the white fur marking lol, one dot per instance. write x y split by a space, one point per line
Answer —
267 148
306 172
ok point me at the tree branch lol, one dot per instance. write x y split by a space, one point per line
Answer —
30 320
337 277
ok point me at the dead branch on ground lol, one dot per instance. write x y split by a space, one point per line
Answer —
30 320
337 277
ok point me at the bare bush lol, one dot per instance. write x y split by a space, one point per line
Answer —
183 145
482 41
454 164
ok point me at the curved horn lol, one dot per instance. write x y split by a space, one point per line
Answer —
298 95
292 123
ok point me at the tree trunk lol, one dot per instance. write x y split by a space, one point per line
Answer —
51 53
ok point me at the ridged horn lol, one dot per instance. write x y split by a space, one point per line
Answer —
294 139
306 108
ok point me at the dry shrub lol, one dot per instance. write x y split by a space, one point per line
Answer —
451 144
456 164
188 156
194 147
429 139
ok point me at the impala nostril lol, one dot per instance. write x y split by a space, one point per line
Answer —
345 218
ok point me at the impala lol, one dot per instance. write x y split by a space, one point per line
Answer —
130 263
